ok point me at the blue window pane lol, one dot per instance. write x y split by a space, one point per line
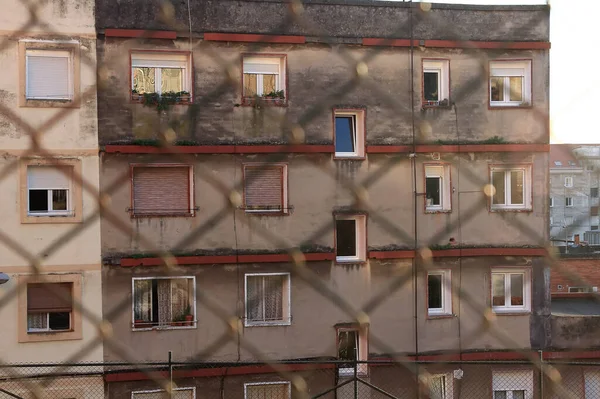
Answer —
344 133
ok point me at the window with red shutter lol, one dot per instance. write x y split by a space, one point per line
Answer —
161 190
265 188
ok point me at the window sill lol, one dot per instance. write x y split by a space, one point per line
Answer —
267 102
438 210
41 103
33 219
166 327
133 100
349 157
268 324
440 315
162 215
511 210
264 212
350 261
50 332
44 336
435 106
508 106
511 312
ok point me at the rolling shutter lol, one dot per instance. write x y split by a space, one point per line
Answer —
49 177
49 297
161 190
264 188
48 75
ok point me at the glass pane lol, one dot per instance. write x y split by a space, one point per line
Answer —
273 297
269 84
59 321
254 298
171 80
38 321
498 298
499 394
142 305
516 187
497 88
347 345
250 84
430 86
344 133
345 231
59 200
516 88
437 387
516 290
434 291
518 394
144 79
180 298
432 191
38 200
498 183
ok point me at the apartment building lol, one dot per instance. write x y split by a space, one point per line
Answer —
48 147
273 127
574 196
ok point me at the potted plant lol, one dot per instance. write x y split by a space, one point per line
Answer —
189 317
275 96
183 97
178 321
140 324
135 95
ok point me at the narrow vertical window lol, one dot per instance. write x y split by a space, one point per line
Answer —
436 83
350 238
439 293
349 134
437 188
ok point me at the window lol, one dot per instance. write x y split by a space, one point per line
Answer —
163 302
513 384
349 140
569 181
49 190
46 310
160 72
265 188
440 386
264 76
594 192
594 227
592 383
49 307
439 293
512 187
178 393
551 202
569 201
268 390
352 345
437 188
436 82
268 299
551 221
510 83
164 190
557 163
49 75
510 290
350 238
580 289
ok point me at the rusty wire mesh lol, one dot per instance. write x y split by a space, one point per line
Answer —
403 376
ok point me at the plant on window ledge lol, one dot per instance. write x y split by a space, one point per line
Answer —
135 95
273 97
179 321
189 317
164 101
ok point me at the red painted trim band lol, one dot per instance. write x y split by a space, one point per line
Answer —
252 38
226 259
455 148
220 149
456 44
150 34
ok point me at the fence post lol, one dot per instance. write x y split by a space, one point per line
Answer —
356 379
171 374
541 374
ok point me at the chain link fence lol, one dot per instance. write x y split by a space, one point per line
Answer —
167 135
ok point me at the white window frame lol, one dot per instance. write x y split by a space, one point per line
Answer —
193 389
143 59
442 68
358 134
266 59
361 239
551 202
569 202
287 295
508 69
527 185
50 53
512 380
50 212
506 273
48 329
441 171
168 326
247 384
362 335
446 296
448 384
569 181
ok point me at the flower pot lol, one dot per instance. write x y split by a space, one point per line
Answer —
136 97
189 320
184 98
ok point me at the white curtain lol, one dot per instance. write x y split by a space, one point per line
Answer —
142 305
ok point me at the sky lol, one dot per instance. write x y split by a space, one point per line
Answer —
573 80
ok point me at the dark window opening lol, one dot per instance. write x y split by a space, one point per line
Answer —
38 200
434 291
345 237
593 227
59 321
348 345
594 192
345 133
498 183
433 191
431 86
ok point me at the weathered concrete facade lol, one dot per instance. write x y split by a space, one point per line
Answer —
396 218
65 126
